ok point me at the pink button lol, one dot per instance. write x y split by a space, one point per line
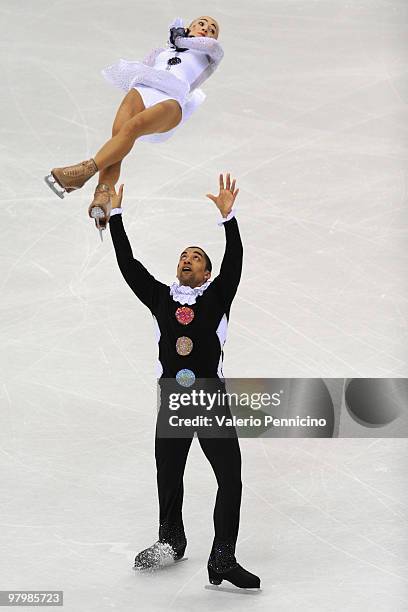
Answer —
184 315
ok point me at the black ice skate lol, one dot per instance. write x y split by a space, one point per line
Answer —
222 565
160 554
170 547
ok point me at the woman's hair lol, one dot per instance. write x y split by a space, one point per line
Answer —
191 23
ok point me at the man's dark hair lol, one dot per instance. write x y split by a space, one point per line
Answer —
208 264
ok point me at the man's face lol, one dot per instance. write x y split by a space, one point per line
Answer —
204 26
191 268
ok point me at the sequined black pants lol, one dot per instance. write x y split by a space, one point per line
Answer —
225 458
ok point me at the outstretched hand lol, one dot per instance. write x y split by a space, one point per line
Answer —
224 201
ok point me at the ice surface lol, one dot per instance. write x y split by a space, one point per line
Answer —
308 110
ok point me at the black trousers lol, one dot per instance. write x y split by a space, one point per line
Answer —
225 458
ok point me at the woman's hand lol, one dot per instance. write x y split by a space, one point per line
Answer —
226 197
174 34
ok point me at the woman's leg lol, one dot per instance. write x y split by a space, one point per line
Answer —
158 118
133 120
131 105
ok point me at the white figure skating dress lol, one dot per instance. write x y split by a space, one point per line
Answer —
156 79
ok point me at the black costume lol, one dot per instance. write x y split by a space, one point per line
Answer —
190 338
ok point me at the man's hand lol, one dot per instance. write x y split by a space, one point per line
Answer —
116 198
226 197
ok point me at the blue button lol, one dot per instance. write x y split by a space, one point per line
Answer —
185 377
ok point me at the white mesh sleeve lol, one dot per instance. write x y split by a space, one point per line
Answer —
150 58
205 44
211 47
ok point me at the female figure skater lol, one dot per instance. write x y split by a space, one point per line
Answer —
163 91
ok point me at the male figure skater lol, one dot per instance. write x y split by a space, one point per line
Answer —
191 319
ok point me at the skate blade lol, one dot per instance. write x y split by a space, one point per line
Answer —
100 229
54 186
97 213
233 589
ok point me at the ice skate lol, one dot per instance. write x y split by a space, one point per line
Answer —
237 575
98 214
160 554
222 565
67 179
101 207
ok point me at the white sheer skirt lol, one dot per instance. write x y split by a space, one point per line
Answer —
154 86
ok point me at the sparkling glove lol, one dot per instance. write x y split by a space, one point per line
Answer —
174 33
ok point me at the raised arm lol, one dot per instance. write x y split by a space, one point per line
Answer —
226 283
142 283
230 272
204 44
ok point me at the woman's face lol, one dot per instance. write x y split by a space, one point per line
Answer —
204 26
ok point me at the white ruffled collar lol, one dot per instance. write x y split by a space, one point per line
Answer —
185 294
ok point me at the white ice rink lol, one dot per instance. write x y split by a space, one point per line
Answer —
308 110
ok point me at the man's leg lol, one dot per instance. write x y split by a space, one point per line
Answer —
225 457
171 455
